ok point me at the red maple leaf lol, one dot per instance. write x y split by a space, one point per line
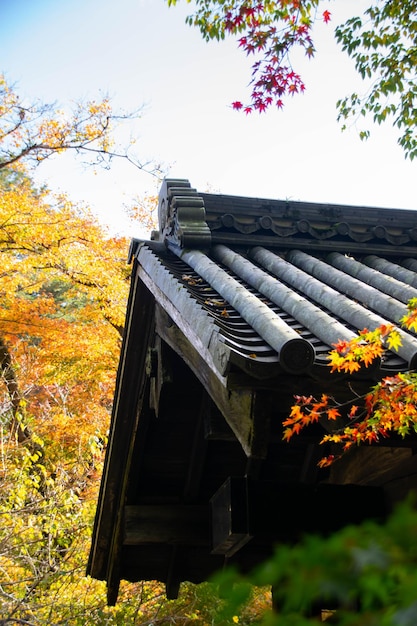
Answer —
260 106
327 16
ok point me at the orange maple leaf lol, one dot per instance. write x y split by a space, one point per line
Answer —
333 413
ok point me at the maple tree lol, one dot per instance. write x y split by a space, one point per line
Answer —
381 44
62 276
63 286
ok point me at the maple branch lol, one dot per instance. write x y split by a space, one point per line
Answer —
37 131
156 170
388 407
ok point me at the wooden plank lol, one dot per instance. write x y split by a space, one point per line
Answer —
129 395
230 517
171 524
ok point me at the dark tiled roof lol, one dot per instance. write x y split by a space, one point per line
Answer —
286 309
234 305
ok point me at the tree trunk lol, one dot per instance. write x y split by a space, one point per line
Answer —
16 426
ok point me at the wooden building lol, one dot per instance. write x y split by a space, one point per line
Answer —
233 307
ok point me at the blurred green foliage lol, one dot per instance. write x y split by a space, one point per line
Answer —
361 575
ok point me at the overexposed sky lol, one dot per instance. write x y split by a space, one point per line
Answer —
142 54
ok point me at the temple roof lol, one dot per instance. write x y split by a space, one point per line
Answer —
235 303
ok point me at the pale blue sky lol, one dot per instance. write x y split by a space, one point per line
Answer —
142 53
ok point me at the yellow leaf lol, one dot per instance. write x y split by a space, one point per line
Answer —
394 340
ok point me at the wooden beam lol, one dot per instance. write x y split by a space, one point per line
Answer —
273 512
198 454
231 517
172 524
